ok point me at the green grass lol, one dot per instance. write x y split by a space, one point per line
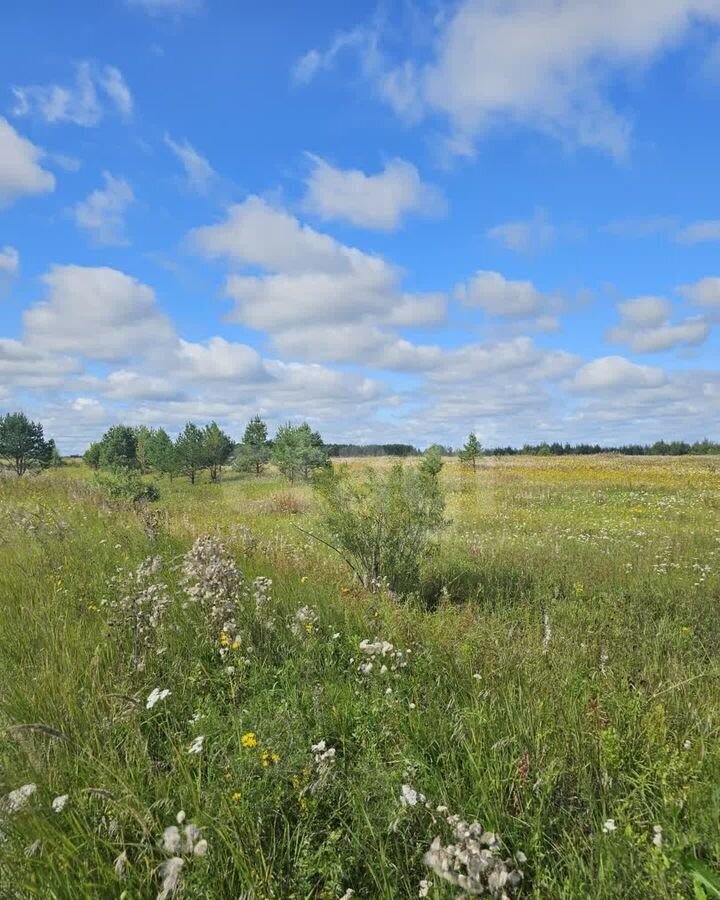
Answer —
541 740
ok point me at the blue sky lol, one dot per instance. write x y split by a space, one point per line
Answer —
400 221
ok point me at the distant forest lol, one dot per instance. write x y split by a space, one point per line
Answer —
659 448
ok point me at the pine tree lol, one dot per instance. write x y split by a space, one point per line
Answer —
254 451
218 449
190 451
22 443
471 450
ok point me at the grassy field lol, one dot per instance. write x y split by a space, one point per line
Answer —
556 679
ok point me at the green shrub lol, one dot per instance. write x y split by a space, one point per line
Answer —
124 484
381 525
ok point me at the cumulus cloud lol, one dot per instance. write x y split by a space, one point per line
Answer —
100 313
29 367
546 64
379 201
610 373
705 292
9 261
83 103
20 170
645 326
198 171
102 213
310 278
499 296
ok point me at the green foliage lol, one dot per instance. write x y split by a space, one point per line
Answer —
297 451
381 524
126 484
118 448
191 452
22 443
143 438
93 454
471 451
432 461
255 450
218 449
160 452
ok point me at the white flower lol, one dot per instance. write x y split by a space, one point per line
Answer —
657 835
120 864
201 848
18 799
687 745
171 839
180 817
410 797
170 873
424 888
348 894
197 744
59 803
155 696
609 826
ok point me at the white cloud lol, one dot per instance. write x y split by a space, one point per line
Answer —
532 235
125 384
314 61
9 261
379 201
101 313
20 172
610 373
498 296
645 326
200 174
219 360
699 232
705 292
546 64
310 280
82 103
102 212
168 7
27 367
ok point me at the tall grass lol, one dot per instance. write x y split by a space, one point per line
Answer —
562 678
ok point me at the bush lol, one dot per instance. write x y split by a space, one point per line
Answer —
123 484
381 526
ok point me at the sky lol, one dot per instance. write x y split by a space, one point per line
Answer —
399 221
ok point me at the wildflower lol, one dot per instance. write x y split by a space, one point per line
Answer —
303 579
249 740
348 894
155 696
180 817
687 745
305 620
269 758
410 797
170 871
120 864
609 826
424 888
473 861
17 800
197 744
236 796
657 836
59 803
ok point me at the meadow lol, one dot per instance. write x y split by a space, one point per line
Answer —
198 700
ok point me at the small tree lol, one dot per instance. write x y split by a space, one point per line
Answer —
143 436
160 453
254 451
218 449
91 457
22 443
381 525
432 462
190 451
53 455
297 451
471 450
118 448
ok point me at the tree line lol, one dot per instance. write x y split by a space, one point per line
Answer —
296 450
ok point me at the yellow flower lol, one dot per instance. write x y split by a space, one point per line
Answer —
236 796
303 579
249 739
309 628
235 645
224 640
269 758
